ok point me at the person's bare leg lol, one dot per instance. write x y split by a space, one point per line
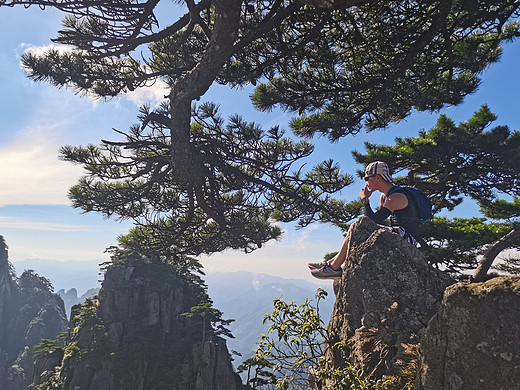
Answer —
337 261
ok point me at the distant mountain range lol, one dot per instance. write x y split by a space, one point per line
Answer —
71 298
80 275
247 297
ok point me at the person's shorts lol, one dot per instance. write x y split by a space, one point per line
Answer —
403 233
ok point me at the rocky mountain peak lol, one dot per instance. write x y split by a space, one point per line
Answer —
386 297
7 283
406 321
135 335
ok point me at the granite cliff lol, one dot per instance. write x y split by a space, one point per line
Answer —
136 334
384 301
29 313
412 325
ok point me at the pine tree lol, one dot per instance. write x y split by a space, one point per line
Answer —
195 184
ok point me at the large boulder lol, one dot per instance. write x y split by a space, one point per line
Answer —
385 299
473 342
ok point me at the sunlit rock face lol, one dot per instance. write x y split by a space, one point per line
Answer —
473 341
402 318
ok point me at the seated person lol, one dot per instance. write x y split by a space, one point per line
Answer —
402 213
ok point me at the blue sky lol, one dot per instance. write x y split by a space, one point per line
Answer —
36 218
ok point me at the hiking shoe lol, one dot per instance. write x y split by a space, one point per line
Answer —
326 272
317 265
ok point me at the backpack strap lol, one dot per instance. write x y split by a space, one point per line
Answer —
393 189
412 202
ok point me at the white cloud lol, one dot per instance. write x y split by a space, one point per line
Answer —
42 50
151 95
302 241
30 172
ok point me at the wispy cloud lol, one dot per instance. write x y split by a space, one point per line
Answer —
31 172
43 50
302 240
16 223
151 95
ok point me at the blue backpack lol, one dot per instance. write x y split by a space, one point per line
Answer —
424 206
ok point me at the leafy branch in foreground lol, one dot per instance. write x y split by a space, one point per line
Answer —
292 353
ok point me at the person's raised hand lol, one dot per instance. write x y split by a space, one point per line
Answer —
365 192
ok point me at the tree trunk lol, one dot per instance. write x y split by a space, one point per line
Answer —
509 240
196 82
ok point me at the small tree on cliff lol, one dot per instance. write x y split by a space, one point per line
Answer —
450 162
195 184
